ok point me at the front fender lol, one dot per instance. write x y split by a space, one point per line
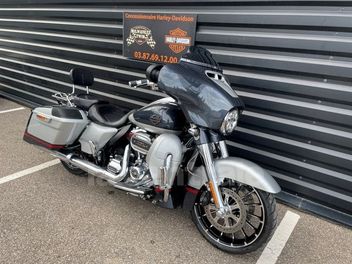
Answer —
240 170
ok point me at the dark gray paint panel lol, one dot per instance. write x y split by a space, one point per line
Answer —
289 60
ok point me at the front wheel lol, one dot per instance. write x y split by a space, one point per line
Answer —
249 222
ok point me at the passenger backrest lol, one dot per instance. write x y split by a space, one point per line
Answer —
80 76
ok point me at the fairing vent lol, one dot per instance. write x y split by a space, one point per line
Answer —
215 76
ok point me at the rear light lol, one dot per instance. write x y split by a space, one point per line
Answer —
43 118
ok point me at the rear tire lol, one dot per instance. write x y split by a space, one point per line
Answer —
234 236
74 170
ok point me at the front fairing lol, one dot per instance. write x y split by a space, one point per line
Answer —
204 101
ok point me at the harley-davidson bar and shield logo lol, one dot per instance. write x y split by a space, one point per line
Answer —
141 35
155 119
178 40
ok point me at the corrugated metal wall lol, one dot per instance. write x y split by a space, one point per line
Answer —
289 60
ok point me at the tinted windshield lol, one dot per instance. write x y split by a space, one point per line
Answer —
204 100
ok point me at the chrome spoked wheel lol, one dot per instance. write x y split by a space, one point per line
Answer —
244 223
234 220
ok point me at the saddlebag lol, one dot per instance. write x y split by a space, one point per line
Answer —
55 127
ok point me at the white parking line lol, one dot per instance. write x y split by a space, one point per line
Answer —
28 171
11 110
277 243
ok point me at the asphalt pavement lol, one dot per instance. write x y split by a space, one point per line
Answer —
51 216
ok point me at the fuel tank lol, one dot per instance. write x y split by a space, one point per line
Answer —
159 117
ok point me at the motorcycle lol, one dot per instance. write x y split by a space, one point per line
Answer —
171 152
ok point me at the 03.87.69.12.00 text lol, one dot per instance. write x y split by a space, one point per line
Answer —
154 57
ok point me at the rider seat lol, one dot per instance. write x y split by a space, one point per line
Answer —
100 112
108 115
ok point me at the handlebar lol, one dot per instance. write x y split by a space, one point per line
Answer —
143 83
139 83
152 74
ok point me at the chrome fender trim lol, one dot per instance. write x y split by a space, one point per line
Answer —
240 170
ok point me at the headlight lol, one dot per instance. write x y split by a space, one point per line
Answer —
230 122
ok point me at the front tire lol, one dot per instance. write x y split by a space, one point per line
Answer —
250 223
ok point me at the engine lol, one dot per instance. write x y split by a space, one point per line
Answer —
149 155
140 141
138 171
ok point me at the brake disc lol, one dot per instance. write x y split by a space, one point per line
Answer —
236 215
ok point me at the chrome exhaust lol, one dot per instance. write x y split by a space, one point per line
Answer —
101 173
91 168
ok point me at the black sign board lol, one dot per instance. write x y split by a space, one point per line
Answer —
161 38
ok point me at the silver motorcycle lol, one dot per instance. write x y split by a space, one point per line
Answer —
171 152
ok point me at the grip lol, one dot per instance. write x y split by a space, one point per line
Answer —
138 83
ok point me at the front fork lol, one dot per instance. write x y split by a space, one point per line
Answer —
213 179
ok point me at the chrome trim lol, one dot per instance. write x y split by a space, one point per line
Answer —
140 135
164 177
122 186
216 239
216 75
226 121
56 154
166 180
94 169
101 173
223 149
211 173
97 171
191 162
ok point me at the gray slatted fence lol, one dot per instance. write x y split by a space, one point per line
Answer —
289 60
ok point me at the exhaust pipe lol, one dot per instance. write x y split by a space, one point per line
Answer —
101 173
91 168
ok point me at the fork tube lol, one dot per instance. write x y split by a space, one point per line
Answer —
223 149
212 177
